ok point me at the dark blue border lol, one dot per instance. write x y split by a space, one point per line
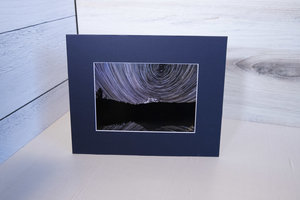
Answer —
208 52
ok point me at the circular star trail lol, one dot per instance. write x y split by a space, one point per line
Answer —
139 83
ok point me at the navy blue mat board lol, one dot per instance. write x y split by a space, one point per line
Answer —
146 95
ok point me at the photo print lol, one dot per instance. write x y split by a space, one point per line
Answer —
145 97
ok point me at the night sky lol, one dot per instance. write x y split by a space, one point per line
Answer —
139 83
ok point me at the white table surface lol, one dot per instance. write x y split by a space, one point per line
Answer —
257 161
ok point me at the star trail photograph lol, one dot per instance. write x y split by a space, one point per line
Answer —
145 97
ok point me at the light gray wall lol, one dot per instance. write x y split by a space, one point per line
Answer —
263 59
33 68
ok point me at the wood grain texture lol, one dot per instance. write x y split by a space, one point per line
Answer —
33 60
33 66
15 14
257 161
263 65
263 86
26 123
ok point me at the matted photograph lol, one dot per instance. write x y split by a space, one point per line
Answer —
145 97
146 94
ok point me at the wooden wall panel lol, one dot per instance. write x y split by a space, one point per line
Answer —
263 65
23 125
33 71
33 60
16 14
263 85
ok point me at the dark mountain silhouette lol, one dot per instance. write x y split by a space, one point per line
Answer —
150 115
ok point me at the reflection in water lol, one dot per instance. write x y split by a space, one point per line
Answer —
133 126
